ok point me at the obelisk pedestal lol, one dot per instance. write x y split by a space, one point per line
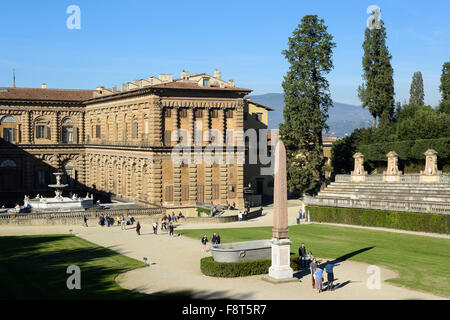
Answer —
281 245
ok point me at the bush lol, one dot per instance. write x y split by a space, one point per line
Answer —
212 268
426 222
204 210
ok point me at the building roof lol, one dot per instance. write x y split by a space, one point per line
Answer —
260 105
7 93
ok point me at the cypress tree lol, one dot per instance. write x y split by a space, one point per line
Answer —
377 90
416 92
444 106
307 99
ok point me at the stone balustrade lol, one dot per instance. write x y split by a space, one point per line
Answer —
401 205
73 217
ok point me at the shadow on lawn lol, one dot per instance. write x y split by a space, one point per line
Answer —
303 272
35 267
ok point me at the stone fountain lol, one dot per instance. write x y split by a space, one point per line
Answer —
58 202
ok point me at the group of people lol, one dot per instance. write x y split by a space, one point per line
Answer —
105 220
317 269
242 215
215 240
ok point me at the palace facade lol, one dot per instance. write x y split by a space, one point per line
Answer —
119 143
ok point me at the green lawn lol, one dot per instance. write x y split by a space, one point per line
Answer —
34 267
423 263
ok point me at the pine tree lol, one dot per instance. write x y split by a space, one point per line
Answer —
377 91
416 92
307 99
444 106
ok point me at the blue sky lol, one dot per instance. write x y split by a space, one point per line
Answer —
120 41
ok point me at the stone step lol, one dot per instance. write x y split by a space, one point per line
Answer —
392 184
433 189
372 190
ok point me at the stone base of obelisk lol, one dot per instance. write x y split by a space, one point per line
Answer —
281 269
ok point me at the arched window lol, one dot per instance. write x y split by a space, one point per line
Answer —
8 119
69 132
8 164
42 128
9 129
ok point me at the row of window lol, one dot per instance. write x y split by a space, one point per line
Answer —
183 113
200 192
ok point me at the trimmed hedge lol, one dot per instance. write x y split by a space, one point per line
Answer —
212 268
426 222
406 150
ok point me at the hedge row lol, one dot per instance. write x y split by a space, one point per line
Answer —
426 222
409 149
212 268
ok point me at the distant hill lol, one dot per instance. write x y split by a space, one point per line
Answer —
343 118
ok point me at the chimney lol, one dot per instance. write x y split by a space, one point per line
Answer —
44 86
217 74
185 75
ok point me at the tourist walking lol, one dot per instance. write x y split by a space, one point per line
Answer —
122 223
138 228
312 268
85 221
204 242
170 228
155 227
330 274
107 220
302 255
318 277
300 214
240 216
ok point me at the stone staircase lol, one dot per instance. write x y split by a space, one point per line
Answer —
432 192
414 197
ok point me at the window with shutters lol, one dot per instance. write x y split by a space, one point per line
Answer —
214 113
229 113
215 191
98 131
169 193
167 137
167 113
199 113
8 134
41 132
134 130
183 113
184 192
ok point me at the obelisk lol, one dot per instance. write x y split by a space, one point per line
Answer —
281 245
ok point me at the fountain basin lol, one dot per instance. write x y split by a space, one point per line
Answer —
58 204
242 251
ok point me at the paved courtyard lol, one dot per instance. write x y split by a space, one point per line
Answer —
175 265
